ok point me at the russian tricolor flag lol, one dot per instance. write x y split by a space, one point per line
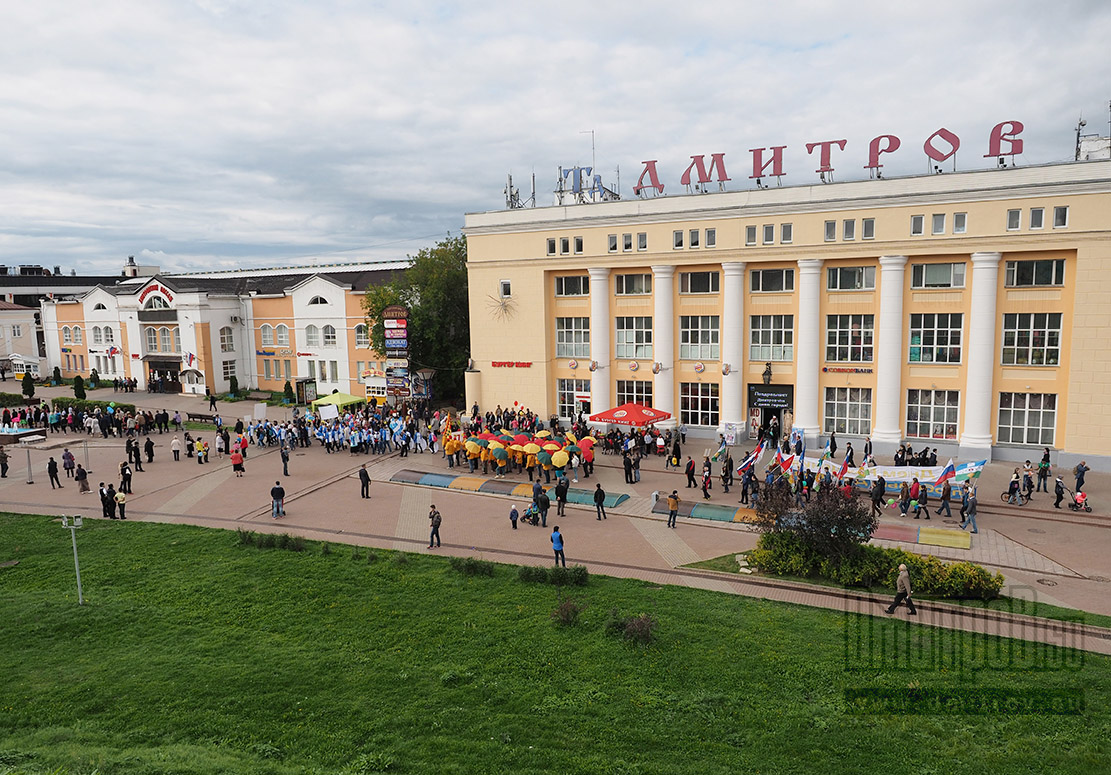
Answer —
947 473
748 462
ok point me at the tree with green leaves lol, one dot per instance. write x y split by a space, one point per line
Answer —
79 387
434 288
288 391
831 524
233 385
28 386
57 376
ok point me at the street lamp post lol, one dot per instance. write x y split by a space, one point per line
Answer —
73 523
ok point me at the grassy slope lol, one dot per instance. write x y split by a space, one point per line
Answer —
194 654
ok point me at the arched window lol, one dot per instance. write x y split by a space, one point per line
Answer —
109 336
329 336
282 332
99 306
78 337
98 335
317 300
267 335
312 336
67 335
227 340
152 339
166 343
156 302
362 336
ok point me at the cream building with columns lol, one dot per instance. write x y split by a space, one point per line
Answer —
961 311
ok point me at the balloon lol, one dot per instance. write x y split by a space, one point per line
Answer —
515 403
914 504
890 501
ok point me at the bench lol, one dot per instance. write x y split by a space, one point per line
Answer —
201 417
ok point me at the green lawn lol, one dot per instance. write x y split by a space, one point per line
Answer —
195 655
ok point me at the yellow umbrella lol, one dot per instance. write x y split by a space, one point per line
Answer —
473 448
532 449
543 434
590 439
552 446
516 448
571 438
559 459
496 444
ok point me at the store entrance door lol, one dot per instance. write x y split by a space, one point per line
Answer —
769 407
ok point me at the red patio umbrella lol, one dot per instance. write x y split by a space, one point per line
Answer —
636 415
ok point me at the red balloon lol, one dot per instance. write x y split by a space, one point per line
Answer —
514 403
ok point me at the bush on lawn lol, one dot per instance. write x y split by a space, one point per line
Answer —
13 399
639 629
568 611
472 566
574 576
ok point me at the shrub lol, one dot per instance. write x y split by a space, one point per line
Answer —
325 549
639 629
370 762
472 566
79 387
371 558
567 612
84 405
578 575
28 385
401 558
355 553
267 751
57 376
533 574
12 399
283 541
267 541
233 385
245 537
287 392
559 576
296 544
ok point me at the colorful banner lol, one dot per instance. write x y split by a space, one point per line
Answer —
894 476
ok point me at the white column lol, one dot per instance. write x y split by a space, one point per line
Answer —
889 358
980 355
663 337
600 323
807 347
733 344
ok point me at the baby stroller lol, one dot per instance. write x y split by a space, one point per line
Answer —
1079 501
531 515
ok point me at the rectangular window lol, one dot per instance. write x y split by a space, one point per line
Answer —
677 239
936 276
633 284
67 336
322 369
851 278
831 231
693 239
848 231
505 288
848 411
281 334
786 233
78 336
152 339
17 331
360 366
564 246
1031 338
917 225
868 228
1060 217
1027 418
632 391
1037 217
312 369
267 336
1044 272
642 240
265 368
333 367
932 414
578 245
626 242
938 224
849 338
699 337
288 369
769 233
611 242
711 238
935 337
80 362
229 369
566 390
551 246
699 282
634 337
573 337
1014 220
771 338
68 367
699 403
960 223
772 280
98 337
750 235
572 285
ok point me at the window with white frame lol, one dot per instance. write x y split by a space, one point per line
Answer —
1060 217
642 240
165 340
1027 418
848 411
578 245
67 335
362 336
17 331
156 302
266 368
935 337
1014 220
772 280
633 284
1031 338
868 228
99 306
960 223
177 339
925 276
281 335
771 338
1037 217
831 231
152 339
98 335
699 282
312 336
626 242
769 233
750 235
848 230
711 238
329 336
634 391
505 288
849 338
267 332
227 340
699 403
572 285
699 337
109 335
611 243
312 369
634 337
229 369
932 414
573 337
78 337
333 369
692 239
564 245
938 224
322 370
786 233
851 278
566 390
551 246
288 368
677 239
917 225
317 300
1038 272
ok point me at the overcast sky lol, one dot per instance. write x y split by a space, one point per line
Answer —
224 133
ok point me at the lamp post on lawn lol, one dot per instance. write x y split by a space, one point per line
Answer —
73 523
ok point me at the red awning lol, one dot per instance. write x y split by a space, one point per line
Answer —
631 414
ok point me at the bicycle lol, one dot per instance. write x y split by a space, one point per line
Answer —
1020 497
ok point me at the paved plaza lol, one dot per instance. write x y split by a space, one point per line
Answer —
1058 557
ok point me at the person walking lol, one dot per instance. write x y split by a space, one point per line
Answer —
690 473
514 515
175 447
67 463
285 460
364 482
277 500
211 399
600 501
946 494
970 511
902 592
1059 491
707 482
561 489
435 520
543 503
726 473
4 463
557 546
121 504
849 455
125 477
52 472
879 489
81 476
148 448
672 508
237 463
1043 473
110 502
1079 471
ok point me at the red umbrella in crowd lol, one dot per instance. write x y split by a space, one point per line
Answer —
636 415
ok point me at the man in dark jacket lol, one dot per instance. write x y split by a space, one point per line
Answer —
878 491
600 501
561 495
52 472
543 503
364 482
277 498
1059 491
627 462
148 447
690 473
